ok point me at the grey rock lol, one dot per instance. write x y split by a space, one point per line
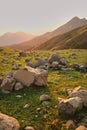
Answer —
18 86
82 94
8 84
54 57
70 106
45 97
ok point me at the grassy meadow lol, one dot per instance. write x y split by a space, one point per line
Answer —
58 81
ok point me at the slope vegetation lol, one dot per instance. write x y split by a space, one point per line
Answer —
73 39
70 25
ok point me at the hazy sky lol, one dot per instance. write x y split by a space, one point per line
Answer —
38 16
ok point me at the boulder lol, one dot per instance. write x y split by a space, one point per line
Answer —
22 54
83 69
18 86
63 61
8 123
54 64
70 106
81 127
82 94
8 83
31 64
30 76
24 76
54 57
40 77
41 62
85 65
76 66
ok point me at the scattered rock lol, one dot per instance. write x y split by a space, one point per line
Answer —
5 91
76 66
40 77
54 64
29 128
8 84
25 77
15 67
41 62
26 105
27 60
83 69
63 61
70 106
31 64
70 124
45 103
18 96
85 65
83 122
80 93
8 123
22 54
18 86
79 88
30 76
45 97
54 57
81 127
38 109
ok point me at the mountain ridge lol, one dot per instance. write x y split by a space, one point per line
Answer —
70 25
75 39
10 38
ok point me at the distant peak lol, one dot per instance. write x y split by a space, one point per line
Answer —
75 18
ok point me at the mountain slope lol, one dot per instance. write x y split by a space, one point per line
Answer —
72 24
73 39
12 38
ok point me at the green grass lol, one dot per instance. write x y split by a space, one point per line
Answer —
58 81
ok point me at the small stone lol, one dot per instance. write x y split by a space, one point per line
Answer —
5 91
45 103
26 105
18 86
38 109
70 124
18 96
81 127
36 116
56 106
45 97
45 116
29 128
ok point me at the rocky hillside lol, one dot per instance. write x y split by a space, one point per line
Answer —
72 24
73 39
39 107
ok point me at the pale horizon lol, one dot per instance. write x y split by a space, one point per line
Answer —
38 17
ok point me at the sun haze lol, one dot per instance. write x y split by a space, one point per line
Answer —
38 16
